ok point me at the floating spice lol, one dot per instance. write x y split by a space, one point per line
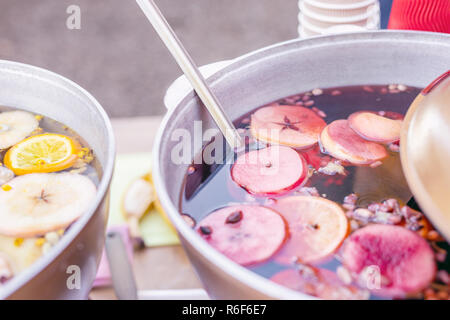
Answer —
234 217
205 230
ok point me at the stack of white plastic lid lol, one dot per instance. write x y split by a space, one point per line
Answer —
318 17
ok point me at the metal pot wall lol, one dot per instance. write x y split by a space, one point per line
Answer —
411 58
43 92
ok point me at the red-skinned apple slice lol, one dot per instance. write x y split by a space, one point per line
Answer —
374 127
404 259
269 171
293 126
321 283
247 234
341 142
317 227
391 115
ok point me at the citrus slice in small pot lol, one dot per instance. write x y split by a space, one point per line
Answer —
247 234
20 256
293 126
37 203
16 126
389 260
374 127
341 142
42 153
317 227
272 170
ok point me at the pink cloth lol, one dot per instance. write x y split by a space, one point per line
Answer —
103 277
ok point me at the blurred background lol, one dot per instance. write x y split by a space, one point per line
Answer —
118 57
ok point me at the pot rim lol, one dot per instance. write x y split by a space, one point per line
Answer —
41 263
234 270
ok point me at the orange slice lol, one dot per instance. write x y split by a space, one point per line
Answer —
317 227
42 153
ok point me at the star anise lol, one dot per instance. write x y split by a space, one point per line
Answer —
43 196
287 124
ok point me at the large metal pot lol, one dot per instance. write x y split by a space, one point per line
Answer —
411 58
43 92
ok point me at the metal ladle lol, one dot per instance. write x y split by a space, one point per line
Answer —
425 151
191 72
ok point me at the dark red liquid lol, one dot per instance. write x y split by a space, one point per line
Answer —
210 187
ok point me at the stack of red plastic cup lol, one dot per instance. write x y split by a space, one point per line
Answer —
425 15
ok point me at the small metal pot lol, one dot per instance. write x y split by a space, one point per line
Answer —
383 57
43 92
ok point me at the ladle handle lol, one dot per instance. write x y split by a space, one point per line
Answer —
191 71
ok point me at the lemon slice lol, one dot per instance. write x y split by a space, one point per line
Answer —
42 153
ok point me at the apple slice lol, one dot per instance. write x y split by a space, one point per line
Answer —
374 127
269 171
317 227
391 115
341 142
293 126
403 259
247 234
